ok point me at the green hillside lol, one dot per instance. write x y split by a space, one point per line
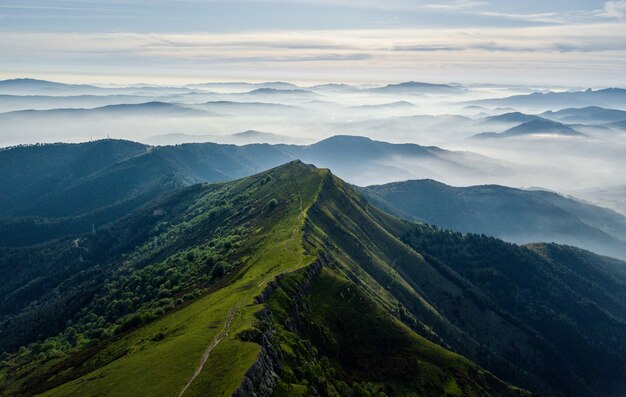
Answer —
57 190
516 215
290 283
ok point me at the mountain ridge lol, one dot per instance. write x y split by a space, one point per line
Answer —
318 254
608 97
300 201
534 127
516 215
131 174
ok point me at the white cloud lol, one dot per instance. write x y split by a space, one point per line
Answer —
616 9
586 38
456 5
576 51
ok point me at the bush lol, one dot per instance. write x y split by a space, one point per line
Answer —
220 269
273 203
129 323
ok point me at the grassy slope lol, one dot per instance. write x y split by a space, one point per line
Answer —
349 335
161 357
552 308
362 240
443 302
346 342
163 367
507 213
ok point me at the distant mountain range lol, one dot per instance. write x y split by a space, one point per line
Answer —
399 105
244 86
246 108
417 88
19 86
606 98
587 115
536 126
43 87
512 117
334 88
248 135
521 216
10 103
289 92
157 109
239 138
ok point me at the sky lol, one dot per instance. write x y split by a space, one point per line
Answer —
578 43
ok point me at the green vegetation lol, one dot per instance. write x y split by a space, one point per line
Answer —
214 289
52 191
348 345
191 258
512 214
56 190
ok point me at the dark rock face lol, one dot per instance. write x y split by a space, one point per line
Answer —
261 378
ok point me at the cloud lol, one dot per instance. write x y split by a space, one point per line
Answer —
426 48
545 17
616 9
583 38
584 50
456 5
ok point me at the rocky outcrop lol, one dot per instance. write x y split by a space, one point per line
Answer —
261 378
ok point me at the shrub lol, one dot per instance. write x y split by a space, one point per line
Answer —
129 323
273 203
266 179
221 268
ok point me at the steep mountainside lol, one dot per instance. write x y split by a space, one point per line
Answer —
289 283
219 289
515 215
56 190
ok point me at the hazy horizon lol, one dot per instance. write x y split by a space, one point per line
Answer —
561 43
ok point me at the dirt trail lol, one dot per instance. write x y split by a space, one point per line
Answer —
231 314
216 340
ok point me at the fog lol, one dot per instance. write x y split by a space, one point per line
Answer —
585 162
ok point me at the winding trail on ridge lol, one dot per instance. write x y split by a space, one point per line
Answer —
233 311
216 340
